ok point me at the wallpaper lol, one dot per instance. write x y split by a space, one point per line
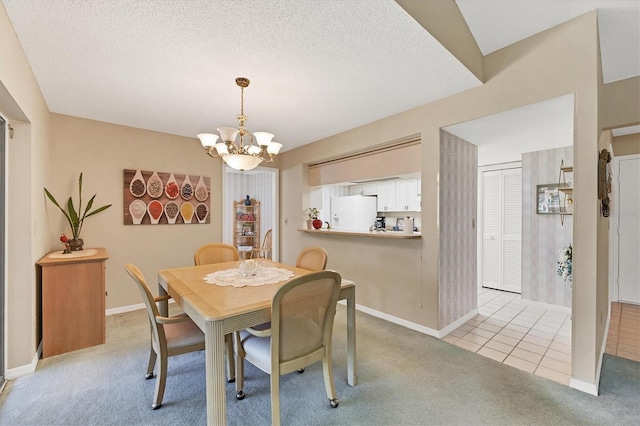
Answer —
543 235
458 292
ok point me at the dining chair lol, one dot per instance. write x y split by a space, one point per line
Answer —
312 259
302 313
215 253
169 335
219 253
265 250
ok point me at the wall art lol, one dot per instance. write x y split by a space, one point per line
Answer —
165 198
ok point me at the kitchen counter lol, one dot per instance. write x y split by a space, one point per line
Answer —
374 234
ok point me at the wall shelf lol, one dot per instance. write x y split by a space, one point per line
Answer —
565 182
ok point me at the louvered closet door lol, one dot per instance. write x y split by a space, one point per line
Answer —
502 229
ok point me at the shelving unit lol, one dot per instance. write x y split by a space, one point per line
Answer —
246 228
566 188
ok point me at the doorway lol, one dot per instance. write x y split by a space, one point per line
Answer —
261 184
626 229
3 133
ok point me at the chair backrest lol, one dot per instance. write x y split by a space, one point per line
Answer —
302 315
312 259
266 243
157 330
215 253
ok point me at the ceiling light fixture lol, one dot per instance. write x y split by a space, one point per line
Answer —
240 156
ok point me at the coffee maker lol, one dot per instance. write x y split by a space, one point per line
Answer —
380 222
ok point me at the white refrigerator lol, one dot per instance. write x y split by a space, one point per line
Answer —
353 212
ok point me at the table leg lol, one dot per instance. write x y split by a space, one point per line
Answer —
215 376
351 339
163 305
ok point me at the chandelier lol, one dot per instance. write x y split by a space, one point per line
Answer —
244 154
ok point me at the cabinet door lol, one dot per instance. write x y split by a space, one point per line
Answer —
386 195
407 195
369 189
356 190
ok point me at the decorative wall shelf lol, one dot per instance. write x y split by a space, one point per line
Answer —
565 187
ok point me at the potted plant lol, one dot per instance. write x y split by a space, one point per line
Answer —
76 217
313 218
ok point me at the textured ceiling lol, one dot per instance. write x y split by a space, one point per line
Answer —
317 68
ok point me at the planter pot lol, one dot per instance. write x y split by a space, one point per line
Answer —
309 224
317 224
76 244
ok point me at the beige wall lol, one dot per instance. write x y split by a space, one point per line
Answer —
557 62
621 103
626 145
102 151
27 167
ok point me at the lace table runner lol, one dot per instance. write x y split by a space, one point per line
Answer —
233 277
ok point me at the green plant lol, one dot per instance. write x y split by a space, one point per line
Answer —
313 213
74 216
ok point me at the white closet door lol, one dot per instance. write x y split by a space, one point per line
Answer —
629 230
502 229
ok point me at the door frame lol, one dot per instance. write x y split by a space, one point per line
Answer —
479 227
613 228
4 136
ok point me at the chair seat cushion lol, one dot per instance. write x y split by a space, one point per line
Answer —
183 334
306 333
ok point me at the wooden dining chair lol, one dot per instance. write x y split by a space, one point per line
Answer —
219 253
169 335
312 259
302 313
265 250
215 253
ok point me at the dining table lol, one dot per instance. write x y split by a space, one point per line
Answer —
218 308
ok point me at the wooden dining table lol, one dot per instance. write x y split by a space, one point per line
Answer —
219 310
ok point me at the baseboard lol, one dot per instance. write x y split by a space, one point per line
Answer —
395 320
547 306
23 370
585 387
457 323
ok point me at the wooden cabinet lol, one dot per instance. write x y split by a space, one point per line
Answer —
246 228
73 301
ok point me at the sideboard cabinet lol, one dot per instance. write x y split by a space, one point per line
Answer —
73 301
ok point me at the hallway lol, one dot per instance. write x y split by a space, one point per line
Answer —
538 339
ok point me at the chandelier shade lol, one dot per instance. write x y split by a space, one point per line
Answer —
240 155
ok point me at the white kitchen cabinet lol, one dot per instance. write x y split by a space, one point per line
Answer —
363 189
386 192
407 195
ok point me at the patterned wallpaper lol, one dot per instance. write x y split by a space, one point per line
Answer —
258 186
458 293
543 235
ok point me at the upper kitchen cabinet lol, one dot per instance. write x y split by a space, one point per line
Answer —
364 189
398 195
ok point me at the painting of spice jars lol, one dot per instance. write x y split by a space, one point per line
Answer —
152 198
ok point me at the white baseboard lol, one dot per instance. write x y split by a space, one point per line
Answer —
448 329
547 306
589 388
23 370
395 320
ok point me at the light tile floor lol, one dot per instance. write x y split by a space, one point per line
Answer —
623 339
530 338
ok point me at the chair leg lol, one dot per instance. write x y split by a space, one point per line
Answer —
275 398
160 382
230 357
329 384
152 364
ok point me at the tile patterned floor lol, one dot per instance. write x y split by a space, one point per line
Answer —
530 338
623 339
538 340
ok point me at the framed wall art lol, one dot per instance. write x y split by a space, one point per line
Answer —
548 198
165 198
